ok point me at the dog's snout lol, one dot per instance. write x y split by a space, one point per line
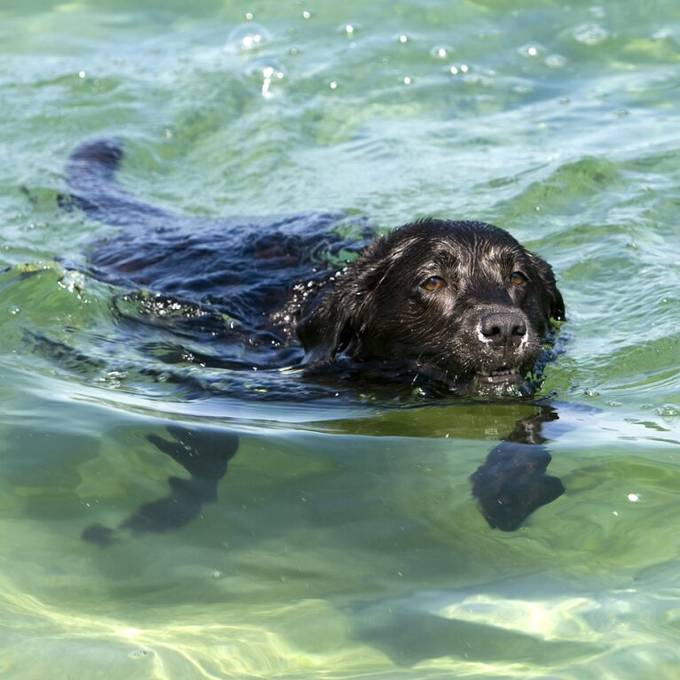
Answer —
503 329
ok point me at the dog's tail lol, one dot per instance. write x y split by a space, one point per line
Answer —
93 187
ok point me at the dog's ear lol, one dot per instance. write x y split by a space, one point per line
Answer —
553 301
337 320
327 329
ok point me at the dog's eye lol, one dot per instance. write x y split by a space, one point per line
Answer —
432 283
518 279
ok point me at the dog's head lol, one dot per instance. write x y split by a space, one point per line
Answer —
462 298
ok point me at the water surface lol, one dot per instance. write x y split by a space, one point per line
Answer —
345 542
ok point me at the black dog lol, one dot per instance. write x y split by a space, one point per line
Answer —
458 306
462 298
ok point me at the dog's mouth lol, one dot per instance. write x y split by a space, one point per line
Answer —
500 383
500 376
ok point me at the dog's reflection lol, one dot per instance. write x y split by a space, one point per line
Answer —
510 485
204 454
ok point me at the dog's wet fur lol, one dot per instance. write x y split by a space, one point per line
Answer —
462 298
458 305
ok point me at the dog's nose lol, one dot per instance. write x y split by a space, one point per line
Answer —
502 329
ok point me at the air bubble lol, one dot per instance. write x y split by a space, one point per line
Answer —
269 75
73 282
247 37
251 40
529 50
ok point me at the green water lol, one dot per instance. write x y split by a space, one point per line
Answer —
345 542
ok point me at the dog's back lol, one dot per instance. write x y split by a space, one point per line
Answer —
241 271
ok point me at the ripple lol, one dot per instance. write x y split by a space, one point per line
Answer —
555 61
516 123
590 34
